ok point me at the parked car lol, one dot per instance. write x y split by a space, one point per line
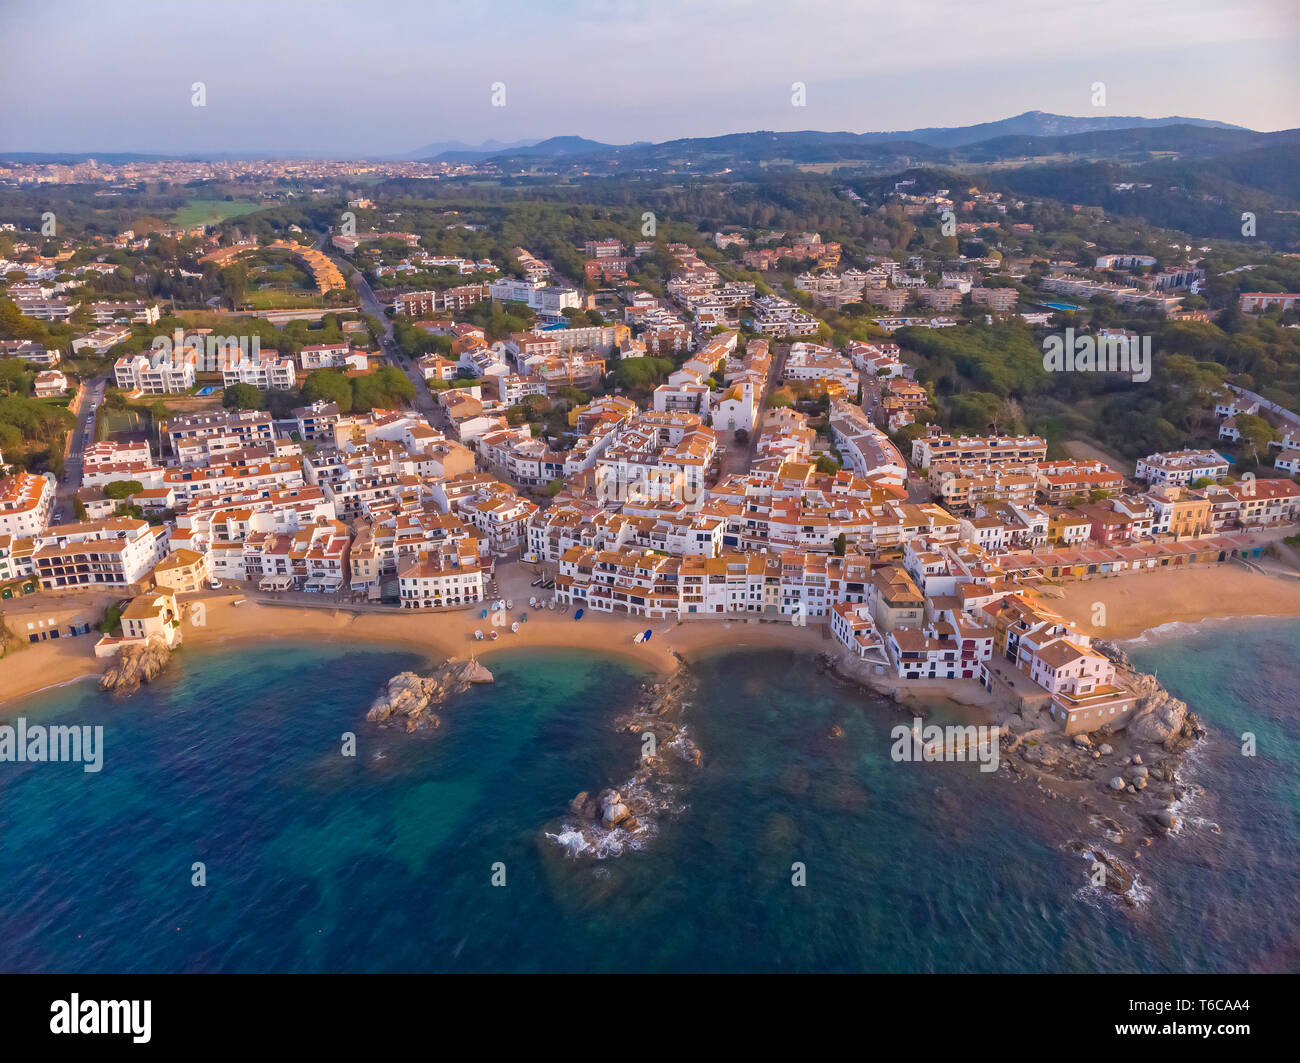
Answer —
215 584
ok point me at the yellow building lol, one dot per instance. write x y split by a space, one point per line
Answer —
183 571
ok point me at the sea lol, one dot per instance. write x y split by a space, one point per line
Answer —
230 831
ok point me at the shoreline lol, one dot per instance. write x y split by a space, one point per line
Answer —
45 666
1135 607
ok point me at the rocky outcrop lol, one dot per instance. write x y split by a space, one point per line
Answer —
1159 716
1117 878
615 820
136 665
410 699
613 812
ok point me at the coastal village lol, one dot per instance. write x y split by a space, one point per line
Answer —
768 477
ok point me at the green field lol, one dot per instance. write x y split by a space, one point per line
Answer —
109 422
211 211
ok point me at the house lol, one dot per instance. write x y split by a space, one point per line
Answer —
896 600
152 615
25 504
49 384
101 340
852 625
1181 468
184 571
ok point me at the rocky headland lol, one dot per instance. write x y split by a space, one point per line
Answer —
1125 780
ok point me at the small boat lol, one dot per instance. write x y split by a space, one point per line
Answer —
478 635
578 615
494 636
550 604
648 633
639 636
514 627
510 605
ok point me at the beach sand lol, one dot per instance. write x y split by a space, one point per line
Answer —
436 635
1134 603
1139 601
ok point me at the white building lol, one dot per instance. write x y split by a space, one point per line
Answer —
1180 468
25 504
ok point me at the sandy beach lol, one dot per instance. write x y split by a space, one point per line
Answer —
1134 603
1139 601
436 635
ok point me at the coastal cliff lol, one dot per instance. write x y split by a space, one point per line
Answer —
410 699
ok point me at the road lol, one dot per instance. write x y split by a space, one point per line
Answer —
370 304
776 369
70 482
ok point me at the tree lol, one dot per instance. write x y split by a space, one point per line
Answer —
841 544
112 618
1256 432
119 489
327 385
242 397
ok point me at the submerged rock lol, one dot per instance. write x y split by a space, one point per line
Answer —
410 698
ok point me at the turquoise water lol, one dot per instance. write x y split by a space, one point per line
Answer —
384 862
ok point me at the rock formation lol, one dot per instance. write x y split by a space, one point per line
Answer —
136 665
410 699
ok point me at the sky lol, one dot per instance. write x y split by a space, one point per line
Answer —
347 79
